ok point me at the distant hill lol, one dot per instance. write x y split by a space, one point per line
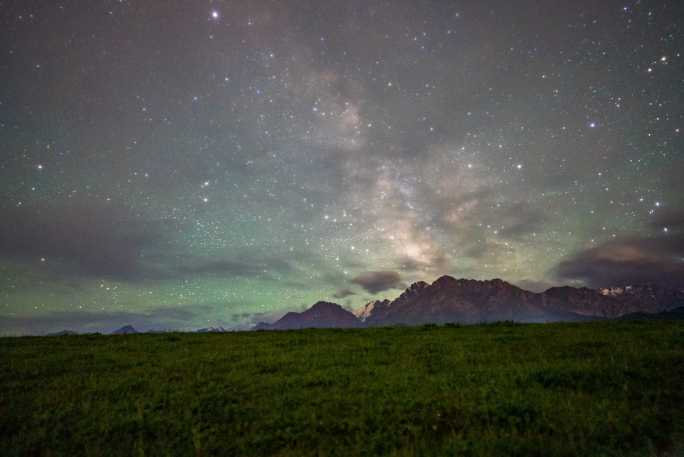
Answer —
125 330
676 314
62 333
211 330
471 301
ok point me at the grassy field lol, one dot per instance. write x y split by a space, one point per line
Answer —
604 389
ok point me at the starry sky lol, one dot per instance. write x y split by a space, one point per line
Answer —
176 165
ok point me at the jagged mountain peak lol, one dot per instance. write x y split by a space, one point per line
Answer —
325 306
443 279
561 289
366 310
450 281
449 299
418 285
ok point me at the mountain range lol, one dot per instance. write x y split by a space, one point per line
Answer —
471 301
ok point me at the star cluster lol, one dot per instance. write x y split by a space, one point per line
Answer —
184 164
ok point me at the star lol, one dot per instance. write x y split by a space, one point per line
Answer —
309 134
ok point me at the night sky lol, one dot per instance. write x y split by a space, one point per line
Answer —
176 165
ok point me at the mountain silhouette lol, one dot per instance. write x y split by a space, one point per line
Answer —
320 315
466 301
62 333
470 301
211 330
125 330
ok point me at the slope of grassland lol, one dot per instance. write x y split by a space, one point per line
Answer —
604 388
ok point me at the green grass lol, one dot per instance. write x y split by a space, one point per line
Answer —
603 389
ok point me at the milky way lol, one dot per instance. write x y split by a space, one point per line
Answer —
181 164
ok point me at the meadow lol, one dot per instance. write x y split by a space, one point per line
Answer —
589 389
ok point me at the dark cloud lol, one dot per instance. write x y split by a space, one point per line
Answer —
656 259
247 320
85 237
377 281
82 238
240 266
518 220
437 262
161 318
513 219
344 293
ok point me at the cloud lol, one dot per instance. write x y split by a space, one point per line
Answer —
243 265
344 293
103 321
513 220
85 237
519 220
92 238
656 259
377 281
247 320
436 262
